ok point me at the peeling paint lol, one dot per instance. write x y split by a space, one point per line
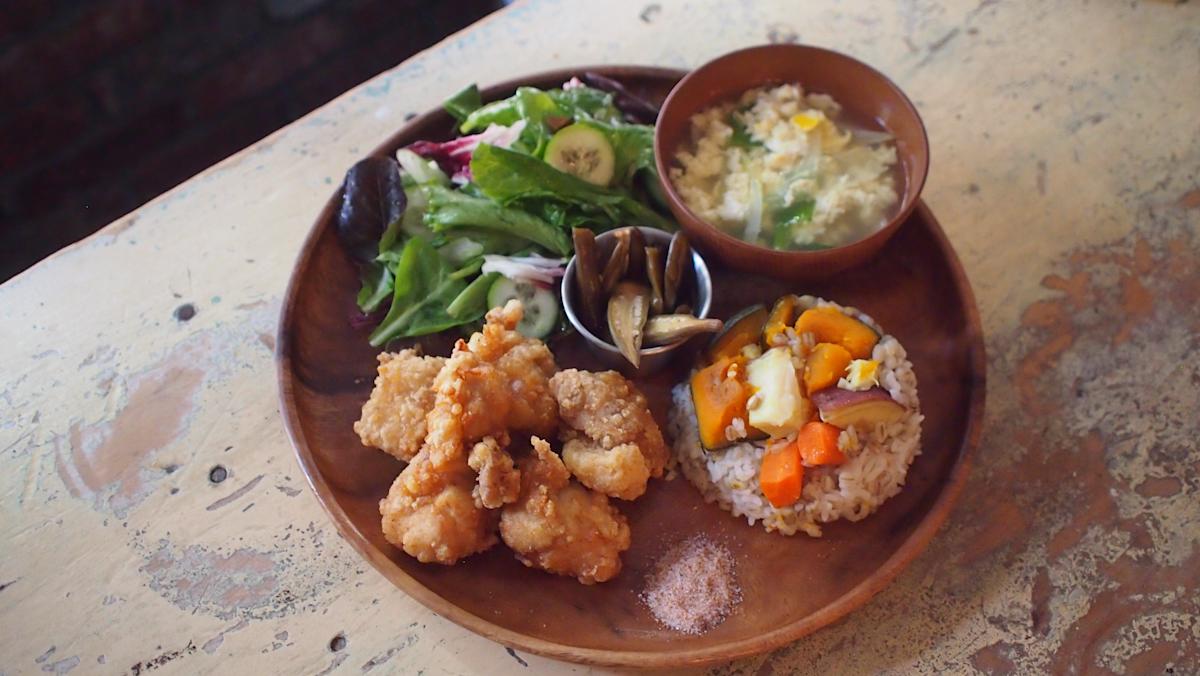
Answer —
213 644
106 461
243 580
162 659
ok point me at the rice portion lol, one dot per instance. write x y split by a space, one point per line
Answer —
876 465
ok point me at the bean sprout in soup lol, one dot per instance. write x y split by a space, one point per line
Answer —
785 169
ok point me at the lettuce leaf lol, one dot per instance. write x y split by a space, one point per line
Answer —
449 209
424 287
519 180
376 286
587 103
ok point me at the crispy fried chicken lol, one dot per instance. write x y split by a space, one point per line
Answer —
560 526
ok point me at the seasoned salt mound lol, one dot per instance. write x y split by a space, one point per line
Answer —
693 587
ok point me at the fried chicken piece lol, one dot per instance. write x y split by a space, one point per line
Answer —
431 511
613 444
499 481
618 472
474 393
528 367
393 419
432 514
560 526
525 365
434 510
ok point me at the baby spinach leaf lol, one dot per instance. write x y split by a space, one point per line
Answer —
471 304
376 286
422 290
463 103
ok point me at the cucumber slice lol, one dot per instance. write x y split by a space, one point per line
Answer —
541 305
584 152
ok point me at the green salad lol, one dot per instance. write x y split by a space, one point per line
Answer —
444 231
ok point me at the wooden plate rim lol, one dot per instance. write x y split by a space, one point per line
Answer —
839 608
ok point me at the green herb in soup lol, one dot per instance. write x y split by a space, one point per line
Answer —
782 169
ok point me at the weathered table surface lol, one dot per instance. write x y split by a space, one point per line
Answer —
1066 170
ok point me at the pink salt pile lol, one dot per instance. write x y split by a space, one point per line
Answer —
693 587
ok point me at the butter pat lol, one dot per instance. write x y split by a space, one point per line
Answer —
777 406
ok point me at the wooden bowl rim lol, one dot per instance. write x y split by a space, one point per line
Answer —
839 608
772 256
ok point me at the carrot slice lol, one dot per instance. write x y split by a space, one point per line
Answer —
781 477
817 444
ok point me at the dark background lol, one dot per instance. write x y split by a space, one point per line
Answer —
108 103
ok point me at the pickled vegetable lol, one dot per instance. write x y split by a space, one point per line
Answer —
654 274
664 329
678 258
618 262
587 275
628 309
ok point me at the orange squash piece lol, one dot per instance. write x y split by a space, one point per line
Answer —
742 329
826 364
781 477
817 443
719 399
783 313
830 325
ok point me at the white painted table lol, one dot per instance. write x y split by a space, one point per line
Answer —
1066 164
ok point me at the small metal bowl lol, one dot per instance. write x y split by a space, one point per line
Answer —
698 292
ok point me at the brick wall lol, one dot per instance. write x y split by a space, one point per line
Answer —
108 103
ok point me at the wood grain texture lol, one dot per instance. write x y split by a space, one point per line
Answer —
1064 170
915 288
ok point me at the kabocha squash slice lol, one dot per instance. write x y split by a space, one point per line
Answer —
825 365
783 314
830 325
719 399
742 329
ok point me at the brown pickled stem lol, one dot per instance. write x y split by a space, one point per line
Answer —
654 273
637 254
587 275
618 263
677 258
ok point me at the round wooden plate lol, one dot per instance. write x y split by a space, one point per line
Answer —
791 586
